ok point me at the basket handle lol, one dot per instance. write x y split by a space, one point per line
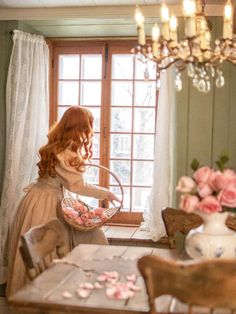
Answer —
114 176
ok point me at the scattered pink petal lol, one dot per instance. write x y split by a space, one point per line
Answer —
88 274
131 286
97 285
83 293
102 278
66 295
131 277
120 291
87 285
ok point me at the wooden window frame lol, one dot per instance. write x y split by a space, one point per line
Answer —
57 47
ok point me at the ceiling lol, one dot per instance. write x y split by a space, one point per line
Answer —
68 3
89 18
76 3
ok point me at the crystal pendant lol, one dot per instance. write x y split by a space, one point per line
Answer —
178 82
201 86
190 70
208 86
195 81
220 81
158 83
146 73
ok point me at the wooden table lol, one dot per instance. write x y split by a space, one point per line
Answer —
44 294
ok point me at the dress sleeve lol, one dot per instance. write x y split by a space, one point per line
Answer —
73 180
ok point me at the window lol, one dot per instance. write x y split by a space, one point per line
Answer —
106 78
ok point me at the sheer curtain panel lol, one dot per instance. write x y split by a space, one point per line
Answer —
27 107
163 172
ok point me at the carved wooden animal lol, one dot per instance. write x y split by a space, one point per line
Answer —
209 283
178 220
40 245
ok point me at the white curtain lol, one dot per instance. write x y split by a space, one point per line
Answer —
163 172
27 107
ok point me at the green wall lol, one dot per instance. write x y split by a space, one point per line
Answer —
5 52
205 123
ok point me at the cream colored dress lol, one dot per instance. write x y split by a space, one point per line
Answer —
41 204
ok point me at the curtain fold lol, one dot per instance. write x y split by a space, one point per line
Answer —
163 171
27 116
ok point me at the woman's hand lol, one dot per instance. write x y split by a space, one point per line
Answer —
112 197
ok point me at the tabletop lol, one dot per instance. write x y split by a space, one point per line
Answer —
55 290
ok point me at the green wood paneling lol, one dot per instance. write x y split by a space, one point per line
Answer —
208 120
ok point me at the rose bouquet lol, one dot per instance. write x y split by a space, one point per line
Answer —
208 190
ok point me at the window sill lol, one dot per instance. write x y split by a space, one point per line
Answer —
131 236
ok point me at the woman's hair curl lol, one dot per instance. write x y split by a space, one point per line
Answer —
73 131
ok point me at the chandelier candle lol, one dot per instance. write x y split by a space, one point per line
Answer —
165 17
228 21
155 37
140 26
189 8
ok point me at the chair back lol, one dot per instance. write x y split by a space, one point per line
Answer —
209 283
40 245
178 220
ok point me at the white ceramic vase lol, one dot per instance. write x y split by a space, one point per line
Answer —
213 239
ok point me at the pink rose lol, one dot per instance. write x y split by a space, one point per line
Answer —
209 205
230 177
227 197
186 184
188 203
216 180
202 174
203 189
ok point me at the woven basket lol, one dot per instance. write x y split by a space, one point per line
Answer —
68 204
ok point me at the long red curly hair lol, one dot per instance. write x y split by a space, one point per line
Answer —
73 131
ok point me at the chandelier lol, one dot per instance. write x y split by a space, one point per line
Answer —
195 52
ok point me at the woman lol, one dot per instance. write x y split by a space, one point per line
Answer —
61 163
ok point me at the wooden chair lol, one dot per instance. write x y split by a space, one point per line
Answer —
210 283
40 245
178 220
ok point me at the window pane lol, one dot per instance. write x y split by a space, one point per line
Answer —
141 67
61 111
91 67
144 120
144 146
126 201
96 145
140 199
120 145
68 93
96 112
92 174
69 66
122 66
121 120
122 170
142 172
145 94
90 94
121 93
